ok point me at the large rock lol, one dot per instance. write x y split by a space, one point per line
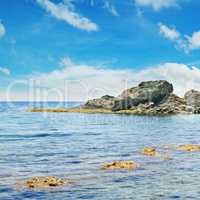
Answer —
150 92
192 98
105 102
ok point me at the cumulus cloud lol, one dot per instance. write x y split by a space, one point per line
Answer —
156 4
82 82
66 12
183 42
4 70
2 30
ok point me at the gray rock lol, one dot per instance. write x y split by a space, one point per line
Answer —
150 92
107 97
172 104
192 98
105 102
169 105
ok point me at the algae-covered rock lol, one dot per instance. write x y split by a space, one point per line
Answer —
188 147
149 151
128 165
152 152
43 182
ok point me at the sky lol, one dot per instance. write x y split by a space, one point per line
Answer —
74 50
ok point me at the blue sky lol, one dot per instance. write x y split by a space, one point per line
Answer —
107 44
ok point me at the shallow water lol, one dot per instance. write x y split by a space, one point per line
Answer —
75 146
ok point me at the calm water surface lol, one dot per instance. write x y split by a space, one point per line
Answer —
75 145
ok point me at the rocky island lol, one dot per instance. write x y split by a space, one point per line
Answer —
148 98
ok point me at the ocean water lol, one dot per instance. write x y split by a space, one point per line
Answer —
75 146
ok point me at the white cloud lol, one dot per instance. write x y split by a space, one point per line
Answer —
169 33
156 4
2 30
82 82
65 11
183 42
110 7
4 70
194 41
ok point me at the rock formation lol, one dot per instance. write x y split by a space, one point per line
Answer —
150 92
151 97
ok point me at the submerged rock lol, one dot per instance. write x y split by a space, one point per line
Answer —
42 182
188 147
152 152
121 165
192 99
149 151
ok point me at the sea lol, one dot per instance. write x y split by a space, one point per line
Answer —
76 145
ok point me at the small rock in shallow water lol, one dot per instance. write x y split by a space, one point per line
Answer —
41 182
149 151
121 165
189 147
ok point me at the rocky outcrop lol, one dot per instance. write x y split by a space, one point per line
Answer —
148 98
151 97
192 99
150 92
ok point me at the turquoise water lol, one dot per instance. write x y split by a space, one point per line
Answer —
75 146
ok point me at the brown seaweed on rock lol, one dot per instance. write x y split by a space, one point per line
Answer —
44 182
188 147
152 152
128 165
